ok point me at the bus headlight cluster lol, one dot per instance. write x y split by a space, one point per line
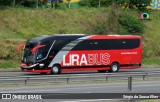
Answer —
41 65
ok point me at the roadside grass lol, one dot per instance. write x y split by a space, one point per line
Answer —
27 23
151 61
24 23
151 37
9 57
9 64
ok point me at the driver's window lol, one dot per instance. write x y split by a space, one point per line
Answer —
40 53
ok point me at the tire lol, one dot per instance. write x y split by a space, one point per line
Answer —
56 69
114 67
101 71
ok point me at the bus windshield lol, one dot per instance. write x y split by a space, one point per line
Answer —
27 56
35 52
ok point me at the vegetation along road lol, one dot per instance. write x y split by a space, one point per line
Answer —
24 19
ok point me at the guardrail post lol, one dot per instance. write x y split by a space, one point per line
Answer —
106 78
130 83
67 80
144 77
25 82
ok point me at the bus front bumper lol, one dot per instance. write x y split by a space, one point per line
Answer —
34 68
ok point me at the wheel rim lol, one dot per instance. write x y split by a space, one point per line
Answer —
55 69
114 68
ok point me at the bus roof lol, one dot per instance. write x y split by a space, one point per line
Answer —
114 36
55 37
76 36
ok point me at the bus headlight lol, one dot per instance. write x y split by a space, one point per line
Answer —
41 65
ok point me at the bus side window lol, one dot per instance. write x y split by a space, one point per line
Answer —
40 54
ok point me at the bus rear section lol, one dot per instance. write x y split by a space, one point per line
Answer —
95 52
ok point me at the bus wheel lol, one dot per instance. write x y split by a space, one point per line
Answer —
114 67
101 71
55 69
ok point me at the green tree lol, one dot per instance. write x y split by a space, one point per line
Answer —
140 4
6 2
56 3
95 3
131 23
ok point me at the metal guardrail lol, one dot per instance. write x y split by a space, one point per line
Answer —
68 77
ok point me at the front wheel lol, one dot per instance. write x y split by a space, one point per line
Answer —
114 67
56 69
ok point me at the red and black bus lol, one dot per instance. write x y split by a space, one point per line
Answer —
59 53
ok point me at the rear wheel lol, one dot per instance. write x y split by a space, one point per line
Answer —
114 67
56 69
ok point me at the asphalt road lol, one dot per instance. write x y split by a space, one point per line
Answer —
75 75
63 90
138 87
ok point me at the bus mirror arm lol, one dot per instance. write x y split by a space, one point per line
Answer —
19 48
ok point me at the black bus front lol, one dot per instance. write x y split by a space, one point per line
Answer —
35 56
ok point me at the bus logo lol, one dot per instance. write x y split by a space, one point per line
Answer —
86 59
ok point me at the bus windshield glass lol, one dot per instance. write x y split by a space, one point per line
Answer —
27 56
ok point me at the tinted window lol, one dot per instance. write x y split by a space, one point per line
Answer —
59 44
109 44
